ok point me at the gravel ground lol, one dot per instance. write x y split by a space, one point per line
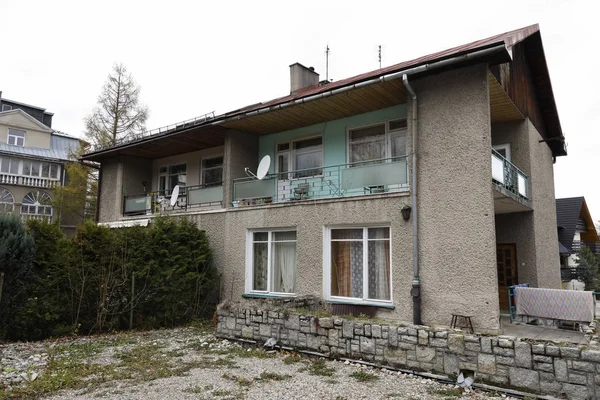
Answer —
191 363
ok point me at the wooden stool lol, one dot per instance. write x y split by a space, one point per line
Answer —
467 320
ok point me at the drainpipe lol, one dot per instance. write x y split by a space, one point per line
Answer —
415 292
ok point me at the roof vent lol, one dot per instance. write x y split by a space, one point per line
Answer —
302 77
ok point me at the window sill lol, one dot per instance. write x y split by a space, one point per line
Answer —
266 296
354 303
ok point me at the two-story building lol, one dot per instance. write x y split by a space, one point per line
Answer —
418 190
32 161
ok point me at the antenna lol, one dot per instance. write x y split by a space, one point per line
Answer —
379 56
262 170
174 195
327 63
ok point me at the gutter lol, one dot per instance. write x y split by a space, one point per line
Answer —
500 47
415 292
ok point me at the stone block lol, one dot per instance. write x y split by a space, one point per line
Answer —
499 380
538 349
412 332
333 337
583 366
486 363
578 379
553 351
393 336
456 343
326 322
376 331
505 343
367 345
402 330
406 346
467 365
541 366
576 392
523 354
560 370
230 323
247 332
543 359
423 337
505 360
524 378
438 342
569 352
471 338
338 322
551 387
472 346
591 355
425 354
441 334
501 370
501 351
547 377
409 339
486 345
348 329
292 322
450 364
367 329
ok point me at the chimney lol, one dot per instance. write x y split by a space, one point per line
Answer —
302 77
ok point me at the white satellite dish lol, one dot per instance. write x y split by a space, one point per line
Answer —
263 168
174 195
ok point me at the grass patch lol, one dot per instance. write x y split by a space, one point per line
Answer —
318 367
363 376
452 393
292 359
222 393
245 352
273 376
240 380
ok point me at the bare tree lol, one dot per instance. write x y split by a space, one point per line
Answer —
119 114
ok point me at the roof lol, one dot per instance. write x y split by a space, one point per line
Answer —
562 249
505 40
568 212
61 148
4 99
34 121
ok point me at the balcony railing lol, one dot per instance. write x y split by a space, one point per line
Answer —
37 217
507 176
354 179
159 202
28 181
593 246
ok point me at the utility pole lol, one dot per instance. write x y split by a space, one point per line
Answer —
327 63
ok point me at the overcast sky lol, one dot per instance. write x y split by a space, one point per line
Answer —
193 57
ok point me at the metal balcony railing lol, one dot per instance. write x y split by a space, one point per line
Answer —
28 181
506 175
159 202
593 246
353 179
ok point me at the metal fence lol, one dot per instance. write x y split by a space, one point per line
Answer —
508 176
160 201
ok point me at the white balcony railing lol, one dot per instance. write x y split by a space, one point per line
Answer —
28 181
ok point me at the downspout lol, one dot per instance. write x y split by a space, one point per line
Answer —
415 292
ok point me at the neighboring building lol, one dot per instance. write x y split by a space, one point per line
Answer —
32 161
575 229
332 218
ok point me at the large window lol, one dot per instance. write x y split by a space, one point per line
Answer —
37 203
212 171
271 262
9 165
6 107
16 137
169 177
7 201
39 169
359 264
304 156
376 142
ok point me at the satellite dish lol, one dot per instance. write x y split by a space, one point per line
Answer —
174 195
263 168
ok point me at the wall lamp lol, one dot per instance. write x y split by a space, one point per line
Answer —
406 210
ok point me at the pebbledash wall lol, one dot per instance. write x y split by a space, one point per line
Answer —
503 361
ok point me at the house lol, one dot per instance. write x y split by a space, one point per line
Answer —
575 229
414 191
32 161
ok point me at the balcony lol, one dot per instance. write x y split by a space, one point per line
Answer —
511 184
47 183
190 198
593 246
336 181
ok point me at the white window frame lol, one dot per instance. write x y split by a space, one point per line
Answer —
16 137
37 195
203 169
505 147
167 177
250 260
327 267
389 133
11 160
292 157
6 107
40 166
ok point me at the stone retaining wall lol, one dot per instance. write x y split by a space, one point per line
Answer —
537 367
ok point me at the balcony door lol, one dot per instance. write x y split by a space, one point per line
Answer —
506 262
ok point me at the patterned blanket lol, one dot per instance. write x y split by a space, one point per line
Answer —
566 305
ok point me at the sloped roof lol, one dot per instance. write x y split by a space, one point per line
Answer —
34 121
568 212
61 148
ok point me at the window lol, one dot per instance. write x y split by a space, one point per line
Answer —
40 169
169 177
271 262
9 165
6 107
16 137
359 263
37 203
503 149
7 201
212 171
304 156
385 140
